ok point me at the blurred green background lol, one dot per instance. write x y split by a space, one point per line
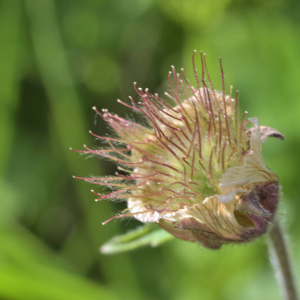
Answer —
60 58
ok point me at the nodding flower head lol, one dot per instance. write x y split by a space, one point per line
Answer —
195 168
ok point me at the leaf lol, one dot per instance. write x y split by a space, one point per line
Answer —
140 237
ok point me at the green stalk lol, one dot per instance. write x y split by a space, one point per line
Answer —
280 258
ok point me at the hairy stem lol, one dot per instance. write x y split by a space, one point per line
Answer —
280 257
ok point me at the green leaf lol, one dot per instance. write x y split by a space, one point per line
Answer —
146 235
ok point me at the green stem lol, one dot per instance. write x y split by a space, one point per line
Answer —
280 257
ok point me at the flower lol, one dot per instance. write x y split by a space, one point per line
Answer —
194 168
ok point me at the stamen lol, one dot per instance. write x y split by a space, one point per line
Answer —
98 178
192 142
176 95
175 145
125 215
115 193
164 103
236 114
223 155
231 154
164 164
210 111
183 88
116 150
192 168
129 106
220 136
195 70
210 163
224 103
204 65
197 127
242 124
169 149
169 96
115 140
179 139
193 91
182 131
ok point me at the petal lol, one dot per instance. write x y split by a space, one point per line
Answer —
211 216
266 132
225 198
140 211
254 169
185 235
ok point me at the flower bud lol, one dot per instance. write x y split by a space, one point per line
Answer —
194 168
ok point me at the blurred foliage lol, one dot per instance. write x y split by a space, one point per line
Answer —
60 58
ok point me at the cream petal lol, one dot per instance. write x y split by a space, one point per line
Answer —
266 132
254 169
226 198
137 207
218 217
